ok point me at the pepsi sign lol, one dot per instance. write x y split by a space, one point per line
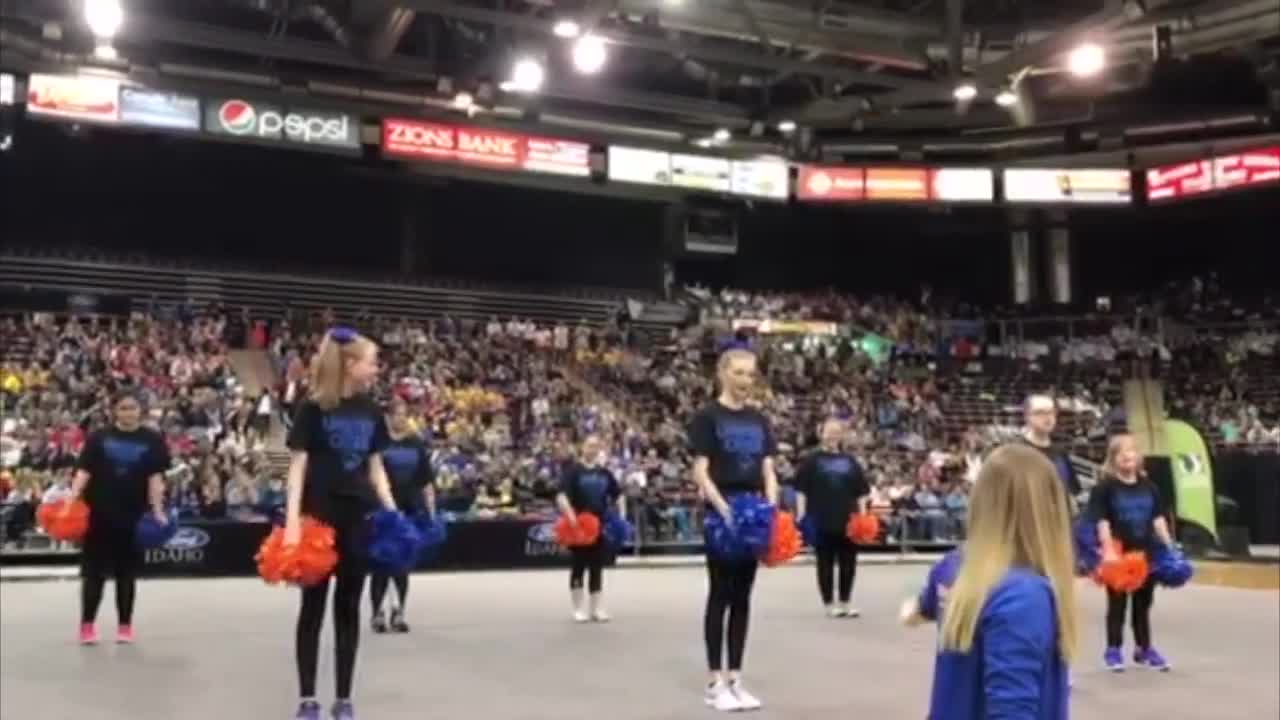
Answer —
253 120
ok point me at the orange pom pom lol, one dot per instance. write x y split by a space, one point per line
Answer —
587 532
69 527
1126 574
310 562
863 528
784 541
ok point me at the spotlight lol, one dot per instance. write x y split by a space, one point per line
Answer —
1007 98
104 17
567 29
787 126
105 51
589 55
722 135
965 92
527 76
1087 60
463 101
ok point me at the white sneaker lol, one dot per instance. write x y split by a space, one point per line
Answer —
835 611
578 598
746 701
598 613
850 611
720 698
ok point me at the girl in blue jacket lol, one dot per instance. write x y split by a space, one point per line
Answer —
1006 605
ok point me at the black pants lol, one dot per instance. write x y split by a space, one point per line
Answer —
108 551
728 593
836 549
1142 600
378 583
348 518
588 561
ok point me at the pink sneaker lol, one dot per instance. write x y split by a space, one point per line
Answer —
88 634
124 636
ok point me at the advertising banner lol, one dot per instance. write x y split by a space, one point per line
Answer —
761 178
254 120
483 147
963 184
154 108
701 172
74 97
910 184
1192 476
1097 186
638 165
816 183
1247 168
1251 167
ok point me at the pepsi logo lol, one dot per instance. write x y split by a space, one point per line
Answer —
237 117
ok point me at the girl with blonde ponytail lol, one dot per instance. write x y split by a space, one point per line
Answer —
336 475
1008 620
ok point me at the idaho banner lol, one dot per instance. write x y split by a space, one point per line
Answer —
1192 476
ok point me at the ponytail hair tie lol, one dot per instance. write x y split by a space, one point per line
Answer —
342 335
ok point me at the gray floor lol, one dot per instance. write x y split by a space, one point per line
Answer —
498 646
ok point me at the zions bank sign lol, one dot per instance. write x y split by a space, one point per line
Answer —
253 120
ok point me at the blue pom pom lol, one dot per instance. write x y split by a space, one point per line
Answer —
432 531
1170 567
1088 547
150 534
809 530
394 542
617 531
749 536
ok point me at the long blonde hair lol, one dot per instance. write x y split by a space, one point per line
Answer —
1110 468
329 366
1018 517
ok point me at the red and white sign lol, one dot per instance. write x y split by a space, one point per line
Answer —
483 147
1252 167
897 184
830 184
75 97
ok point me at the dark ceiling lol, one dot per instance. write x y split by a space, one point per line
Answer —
842 70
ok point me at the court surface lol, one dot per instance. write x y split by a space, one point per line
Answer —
499 646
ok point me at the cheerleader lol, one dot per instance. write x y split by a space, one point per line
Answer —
830 484
1005 603
733 448
1128 507
589 487
336 475
120 473
408 464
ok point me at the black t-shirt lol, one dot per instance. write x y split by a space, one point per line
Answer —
408 464
1061 462
736 442
338 444
120 465
1131 510
831 482
590 490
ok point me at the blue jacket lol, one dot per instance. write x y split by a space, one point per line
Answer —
1014 670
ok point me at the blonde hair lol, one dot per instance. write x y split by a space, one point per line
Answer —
1110 469
729 356
329 367
1018 517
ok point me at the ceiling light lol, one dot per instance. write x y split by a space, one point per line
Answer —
567 29
1007 98
722 135
787 126
1087 60
463 101
965 92
104 17
589 54
703 142
105 51
526 76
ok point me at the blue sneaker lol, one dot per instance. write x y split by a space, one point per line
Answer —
1113 658
1150 658
308 710
343 710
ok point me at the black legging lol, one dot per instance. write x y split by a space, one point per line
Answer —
590 558
1142 600
347 518
106 553
378 589
833 549
728 593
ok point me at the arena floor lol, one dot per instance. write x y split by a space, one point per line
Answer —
499 646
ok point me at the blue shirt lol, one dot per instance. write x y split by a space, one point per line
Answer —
1014 670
